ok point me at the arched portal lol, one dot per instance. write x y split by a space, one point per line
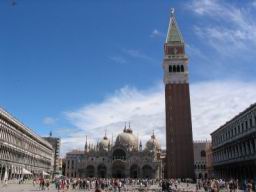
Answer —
119 154
3 172
118 169
134 171
147 171
102 171
90 171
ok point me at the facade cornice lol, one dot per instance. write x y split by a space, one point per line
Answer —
23 128
235 118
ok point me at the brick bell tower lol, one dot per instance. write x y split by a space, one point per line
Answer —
179 139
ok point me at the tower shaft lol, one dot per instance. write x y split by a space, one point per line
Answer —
179 139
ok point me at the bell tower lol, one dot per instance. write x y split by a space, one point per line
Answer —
179 139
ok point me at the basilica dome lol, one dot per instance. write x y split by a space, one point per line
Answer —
104 143
127 139
153 143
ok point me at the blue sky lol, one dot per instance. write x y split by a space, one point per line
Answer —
78 67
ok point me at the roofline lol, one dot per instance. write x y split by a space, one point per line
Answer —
30 132
234 118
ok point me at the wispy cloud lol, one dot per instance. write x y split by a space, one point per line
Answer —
230 28
118 59
156 33
137 54
254 3
49 120
213 103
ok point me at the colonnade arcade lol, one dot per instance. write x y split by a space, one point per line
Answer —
21 149
237 159
245 170
13 171
240 149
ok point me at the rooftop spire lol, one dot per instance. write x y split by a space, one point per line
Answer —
86 145
173 34
105 136
124 126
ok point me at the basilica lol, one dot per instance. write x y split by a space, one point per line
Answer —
123 158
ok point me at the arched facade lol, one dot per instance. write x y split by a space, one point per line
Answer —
134 171
22 149
102 171
120 159
118 169
90 171
147 172
119 154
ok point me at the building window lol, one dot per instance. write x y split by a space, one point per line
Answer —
72 164
174 68
170 68
178 68
182 68
203 153
250 123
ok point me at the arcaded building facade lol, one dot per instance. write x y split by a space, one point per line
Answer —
179 139
123 158
21 149
234 146
200 160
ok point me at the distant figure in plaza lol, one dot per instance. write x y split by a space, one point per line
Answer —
47 184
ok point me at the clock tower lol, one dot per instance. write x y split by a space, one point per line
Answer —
179 139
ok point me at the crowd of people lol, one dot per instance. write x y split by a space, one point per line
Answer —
62 184
115 185
231 185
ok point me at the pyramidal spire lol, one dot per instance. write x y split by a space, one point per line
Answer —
173 34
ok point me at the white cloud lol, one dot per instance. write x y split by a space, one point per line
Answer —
156 33
213 103
229 28
49 121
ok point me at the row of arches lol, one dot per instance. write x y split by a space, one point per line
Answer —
16 171
176 68
119 154
198 166
14 155
12 136
118 171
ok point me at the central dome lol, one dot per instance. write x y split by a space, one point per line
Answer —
127 139
104 143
